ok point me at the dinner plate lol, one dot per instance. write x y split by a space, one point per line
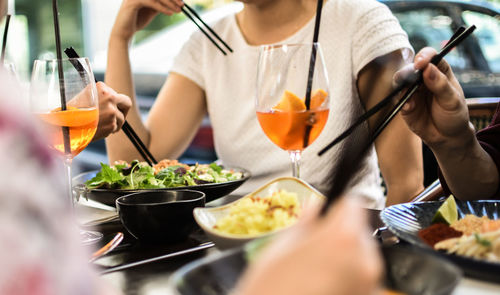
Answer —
408 270
108 196
405 220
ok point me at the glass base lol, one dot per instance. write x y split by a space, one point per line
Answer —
89 237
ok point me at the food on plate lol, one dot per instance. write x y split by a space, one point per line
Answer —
470 224
165 174
471 236
438 232
252 216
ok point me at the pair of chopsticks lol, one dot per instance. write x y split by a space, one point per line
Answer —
192 14
348 166
127 129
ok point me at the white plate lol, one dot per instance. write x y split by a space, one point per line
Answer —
207 217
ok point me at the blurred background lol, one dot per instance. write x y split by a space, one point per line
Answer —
86 24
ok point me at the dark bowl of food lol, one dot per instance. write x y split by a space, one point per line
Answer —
159 216
112 182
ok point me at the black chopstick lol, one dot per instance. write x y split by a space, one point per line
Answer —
415 78
348 165
146 154
189 12
127 129
4 38
200 247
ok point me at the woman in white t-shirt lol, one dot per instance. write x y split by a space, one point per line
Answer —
363 46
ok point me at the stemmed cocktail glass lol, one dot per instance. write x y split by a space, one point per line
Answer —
69 119
290 117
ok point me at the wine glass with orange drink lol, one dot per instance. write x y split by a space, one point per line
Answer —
69 119
292 105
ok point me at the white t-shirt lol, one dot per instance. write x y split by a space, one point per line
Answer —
352 34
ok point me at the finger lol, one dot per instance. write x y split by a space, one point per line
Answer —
123 103
439 84
170 5
402 74
159 6
309 213
423 57
119 121
104 91
345 216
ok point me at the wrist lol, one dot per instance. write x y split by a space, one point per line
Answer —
458 146
120 37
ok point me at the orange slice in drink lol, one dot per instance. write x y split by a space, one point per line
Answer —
318 97
290 102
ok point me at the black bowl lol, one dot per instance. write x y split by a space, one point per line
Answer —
159 216
408 270
212 191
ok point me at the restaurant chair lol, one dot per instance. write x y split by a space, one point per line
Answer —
481 111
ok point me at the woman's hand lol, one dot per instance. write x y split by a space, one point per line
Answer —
330 255
134 15
438 112
113 108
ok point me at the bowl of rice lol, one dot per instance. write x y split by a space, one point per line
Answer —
272 208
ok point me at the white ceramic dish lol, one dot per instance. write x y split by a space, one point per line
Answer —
207 217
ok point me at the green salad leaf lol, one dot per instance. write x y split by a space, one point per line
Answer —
138 175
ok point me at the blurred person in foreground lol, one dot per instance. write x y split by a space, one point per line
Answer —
40 247
363 46
311 260
469 162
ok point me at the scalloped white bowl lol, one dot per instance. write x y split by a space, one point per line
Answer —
207 217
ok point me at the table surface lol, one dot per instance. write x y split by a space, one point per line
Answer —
153 278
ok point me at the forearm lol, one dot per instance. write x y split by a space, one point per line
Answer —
119 77
398 149
400 160
468 169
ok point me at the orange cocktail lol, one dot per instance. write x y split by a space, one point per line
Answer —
81 123
290 125
287 129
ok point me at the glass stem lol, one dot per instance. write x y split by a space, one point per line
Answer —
295 157
67 171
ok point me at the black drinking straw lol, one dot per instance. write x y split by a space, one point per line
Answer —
4 42
312 63
65 130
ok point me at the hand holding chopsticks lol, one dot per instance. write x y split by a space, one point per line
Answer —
349 164
127 129
412 83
